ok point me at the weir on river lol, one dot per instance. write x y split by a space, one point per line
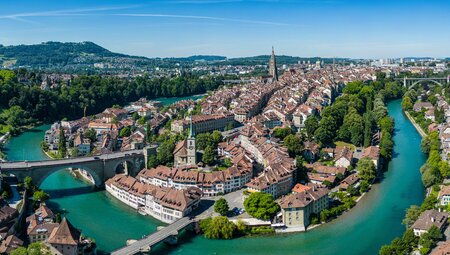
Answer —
375 221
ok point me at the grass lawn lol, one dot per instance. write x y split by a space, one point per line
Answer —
353 147
4 128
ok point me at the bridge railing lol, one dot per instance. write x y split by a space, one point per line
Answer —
81 157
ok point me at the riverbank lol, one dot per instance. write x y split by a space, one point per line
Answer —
93 210
414 123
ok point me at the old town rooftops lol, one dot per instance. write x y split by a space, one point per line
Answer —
429 218
65 234
304 198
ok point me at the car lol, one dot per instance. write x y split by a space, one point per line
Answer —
96 157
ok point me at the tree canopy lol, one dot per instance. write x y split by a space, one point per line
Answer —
221 206
261 205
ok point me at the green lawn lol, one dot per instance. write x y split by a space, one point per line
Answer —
353 147
4 129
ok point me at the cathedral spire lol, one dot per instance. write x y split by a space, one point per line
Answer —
191 130
273 66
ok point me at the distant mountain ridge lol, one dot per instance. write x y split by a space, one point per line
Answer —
86 55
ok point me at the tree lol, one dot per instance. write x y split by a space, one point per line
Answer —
412 214
326 131
28 183
409 239
429 202
387 250
218 228
44 146
352 191
91 134
40 196
353 87
368 128
430 175
135 116
435 233
430 142
407 103
38 249
311 124
216 137
164 154
221 206
364 186
15 116
152 161
352 129
386 145
148 133
62 143
294 145
208 156
141 121
203 140
379 109
387 124
125 132
302 172
261 205
281 133
20 251
58 218
366 169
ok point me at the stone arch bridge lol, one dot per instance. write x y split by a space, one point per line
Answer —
411 82
101 167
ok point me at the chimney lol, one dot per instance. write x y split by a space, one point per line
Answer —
432 219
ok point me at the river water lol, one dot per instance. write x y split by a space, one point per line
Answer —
375 221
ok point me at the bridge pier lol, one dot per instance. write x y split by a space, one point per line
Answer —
172 239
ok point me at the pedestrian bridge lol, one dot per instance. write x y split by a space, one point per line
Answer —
168 234
101 167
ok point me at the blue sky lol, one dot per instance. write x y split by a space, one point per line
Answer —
326 28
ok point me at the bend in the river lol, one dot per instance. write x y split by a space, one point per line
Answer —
375 221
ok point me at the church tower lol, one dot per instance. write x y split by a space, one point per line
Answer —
191 149
273 66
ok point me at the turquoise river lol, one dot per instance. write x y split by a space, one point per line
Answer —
375 221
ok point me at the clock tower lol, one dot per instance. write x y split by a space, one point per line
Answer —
190 144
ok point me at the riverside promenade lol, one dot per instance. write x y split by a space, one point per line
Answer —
419 129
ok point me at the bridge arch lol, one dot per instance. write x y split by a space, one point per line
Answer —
420 81
98 182
132 164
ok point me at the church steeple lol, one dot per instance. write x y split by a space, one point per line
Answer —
273 66
191 130
191 146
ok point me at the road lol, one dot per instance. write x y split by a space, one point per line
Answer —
27 164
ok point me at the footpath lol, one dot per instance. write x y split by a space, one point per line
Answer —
419 129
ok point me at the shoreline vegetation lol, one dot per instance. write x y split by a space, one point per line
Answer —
434 172
418 128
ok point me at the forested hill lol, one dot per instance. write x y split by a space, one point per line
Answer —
83 56
55 54
72 56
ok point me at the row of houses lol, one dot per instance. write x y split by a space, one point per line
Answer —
163 203
59 237
203 123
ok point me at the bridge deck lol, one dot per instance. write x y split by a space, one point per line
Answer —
68 161
154 238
